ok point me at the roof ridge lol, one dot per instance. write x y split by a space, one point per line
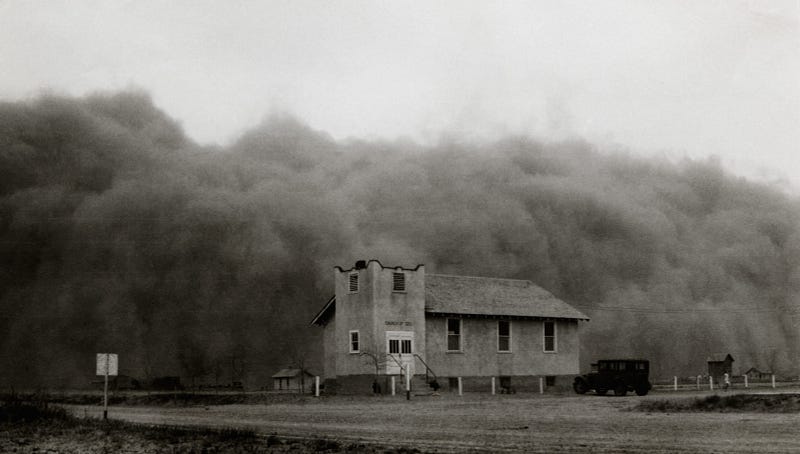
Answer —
481 277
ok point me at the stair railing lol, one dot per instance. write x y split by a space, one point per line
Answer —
427 370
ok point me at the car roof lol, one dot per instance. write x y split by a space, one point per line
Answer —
625 360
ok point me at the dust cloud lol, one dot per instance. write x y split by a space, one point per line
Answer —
118 233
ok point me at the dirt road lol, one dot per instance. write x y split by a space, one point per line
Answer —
530 423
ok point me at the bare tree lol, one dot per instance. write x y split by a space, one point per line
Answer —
299 360
375 359
378 360
238 365
773 359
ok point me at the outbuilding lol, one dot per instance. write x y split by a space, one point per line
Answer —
385 321
292 380
720 364
755 374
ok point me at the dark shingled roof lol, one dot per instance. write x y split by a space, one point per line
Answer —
289 373
493 297
719 357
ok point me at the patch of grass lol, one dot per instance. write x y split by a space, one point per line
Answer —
29 426
165 399
27 412
765 403
19 409
320 445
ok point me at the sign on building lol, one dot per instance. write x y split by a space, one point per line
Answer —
107 362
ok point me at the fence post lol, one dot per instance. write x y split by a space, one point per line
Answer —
675 382
745 381
698 382
773 381
408 383
393 391
541 385
460 390
493 386
711 382
316 386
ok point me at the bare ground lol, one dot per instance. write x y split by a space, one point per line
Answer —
479 422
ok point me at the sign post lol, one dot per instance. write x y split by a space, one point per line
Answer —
107 364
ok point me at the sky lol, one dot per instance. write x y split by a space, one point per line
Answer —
666 78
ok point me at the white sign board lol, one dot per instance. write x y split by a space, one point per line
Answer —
107 360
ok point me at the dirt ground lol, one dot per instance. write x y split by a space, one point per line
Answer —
481 422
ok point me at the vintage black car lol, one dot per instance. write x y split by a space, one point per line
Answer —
618 375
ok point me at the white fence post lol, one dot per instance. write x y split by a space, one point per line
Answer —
675 383
493 386
541 385
408 383
460 389
316 386
745 381
773 380
698 382
393 389
711 382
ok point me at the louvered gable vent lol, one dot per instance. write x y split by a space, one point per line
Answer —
399 282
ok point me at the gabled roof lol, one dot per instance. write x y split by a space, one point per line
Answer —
288 373
481 296
486 296
719 357
325 313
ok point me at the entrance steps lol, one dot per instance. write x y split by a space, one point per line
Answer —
419 387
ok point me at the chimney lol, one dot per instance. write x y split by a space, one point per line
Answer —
361 264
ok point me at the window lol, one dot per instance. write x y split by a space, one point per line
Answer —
405 346
550 336
398 282
453 335
353 282
503 336
354 342
394 346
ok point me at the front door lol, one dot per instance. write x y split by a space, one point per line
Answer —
400 350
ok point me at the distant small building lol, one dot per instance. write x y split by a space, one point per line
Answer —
719 364
292 380
755 374
118 383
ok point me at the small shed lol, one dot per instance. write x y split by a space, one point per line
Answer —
720 364
755 374
292 380
118 383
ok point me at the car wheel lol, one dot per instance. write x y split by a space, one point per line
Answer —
620 390
642 391
580 386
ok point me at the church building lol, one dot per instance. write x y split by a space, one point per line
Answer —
384 321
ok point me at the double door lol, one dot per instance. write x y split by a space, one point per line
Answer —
400 352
